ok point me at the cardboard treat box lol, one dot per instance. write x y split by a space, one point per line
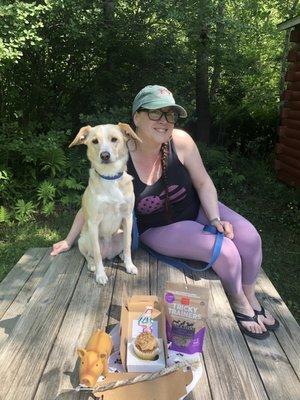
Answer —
168 387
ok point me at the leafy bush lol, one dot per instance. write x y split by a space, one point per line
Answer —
221 166
24 211
53 160
41 172
4 215
46 192
111 116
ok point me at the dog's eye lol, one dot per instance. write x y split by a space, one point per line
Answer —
95 141
114 139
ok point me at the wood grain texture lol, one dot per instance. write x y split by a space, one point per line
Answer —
52 305
17 307
134 284
24 354
278 359
88 311
231 371
288 334
16 278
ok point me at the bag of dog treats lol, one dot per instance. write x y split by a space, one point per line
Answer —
186 314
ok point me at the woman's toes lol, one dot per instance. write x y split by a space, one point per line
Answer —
262 326
268 321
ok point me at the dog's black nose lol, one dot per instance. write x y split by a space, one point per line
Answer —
105 156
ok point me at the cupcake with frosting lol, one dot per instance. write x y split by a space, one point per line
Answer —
146 346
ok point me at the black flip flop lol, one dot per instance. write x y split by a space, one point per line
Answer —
245 318
272 327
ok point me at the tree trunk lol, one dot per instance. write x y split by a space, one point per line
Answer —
202 95
108 66
217 63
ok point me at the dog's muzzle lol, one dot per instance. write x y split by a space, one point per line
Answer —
105 156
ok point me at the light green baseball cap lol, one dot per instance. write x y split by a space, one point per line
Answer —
152 97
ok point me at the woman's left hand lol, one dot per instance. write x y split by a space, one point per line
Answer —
226 228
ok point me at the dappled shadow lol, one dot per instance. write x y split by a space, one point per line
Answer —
110 327
72 395
9 324
115 312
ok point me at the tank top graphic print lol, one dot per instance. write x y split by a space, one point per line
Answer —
150 199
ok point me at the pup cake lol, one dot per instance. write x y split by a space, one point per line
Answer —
146 346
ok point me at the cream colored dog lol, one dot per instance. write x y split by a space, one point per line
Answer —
108 200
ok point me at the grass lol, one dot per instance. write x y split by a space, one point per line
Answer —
18 238
268 204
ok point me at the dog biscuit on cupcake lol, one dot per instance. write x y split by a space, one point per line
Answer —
146 346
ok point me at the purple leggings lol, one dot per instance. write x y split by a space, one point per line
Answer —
239 261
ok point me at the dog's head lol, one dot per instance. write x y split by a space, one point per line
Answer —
106 144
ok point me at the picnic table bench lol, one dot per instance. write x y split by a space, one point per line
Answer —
50 306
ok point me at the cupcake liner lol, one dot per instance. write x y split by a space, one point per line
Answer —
149 355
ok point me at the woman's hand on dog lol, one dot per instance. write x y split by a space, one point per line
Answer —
60 247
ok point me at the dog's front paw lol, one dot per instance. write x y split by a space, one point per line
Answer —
131 269
101 278
91 267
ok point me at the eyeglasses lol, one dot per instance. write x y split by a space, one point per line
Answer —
156 115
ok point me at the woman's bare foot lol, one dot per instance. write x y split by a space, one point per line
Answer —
267 318
240 304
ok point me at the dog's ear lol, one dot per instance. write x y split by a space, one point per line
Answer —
81 136
126 130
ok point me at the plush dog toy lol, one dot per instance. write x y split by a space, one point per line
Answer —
94 358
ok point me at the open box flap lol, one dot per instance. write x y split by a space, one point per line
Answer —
132 309
139 303
168 387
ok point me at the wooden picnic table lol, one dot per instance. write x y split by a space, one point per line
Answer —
51 305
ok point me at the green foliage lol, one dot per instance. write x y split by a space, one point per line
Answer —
221 166
48 208
42 167
46 193
24 211
53 160
4 215
71 183
20 26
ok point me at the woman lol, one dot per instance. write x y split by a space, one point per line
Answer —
175 198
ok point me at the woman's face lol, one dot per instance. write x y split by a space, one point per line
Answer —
158 131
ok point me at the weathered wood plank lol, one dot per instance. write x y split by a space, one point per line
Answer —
231 371
160 273
17 307
288 334
278 358
24 354
134 284
278 376
88 311
50 306
16 278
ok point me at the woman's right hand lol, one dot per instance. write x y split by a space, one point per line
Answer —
60 247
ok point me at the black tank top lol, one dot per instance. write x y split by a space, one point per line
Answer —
150 199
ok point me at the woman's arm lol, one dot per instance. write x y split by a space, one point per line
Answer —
66 244
189 155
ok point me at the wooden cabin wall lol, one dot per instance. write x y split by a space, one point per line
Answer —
287 162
